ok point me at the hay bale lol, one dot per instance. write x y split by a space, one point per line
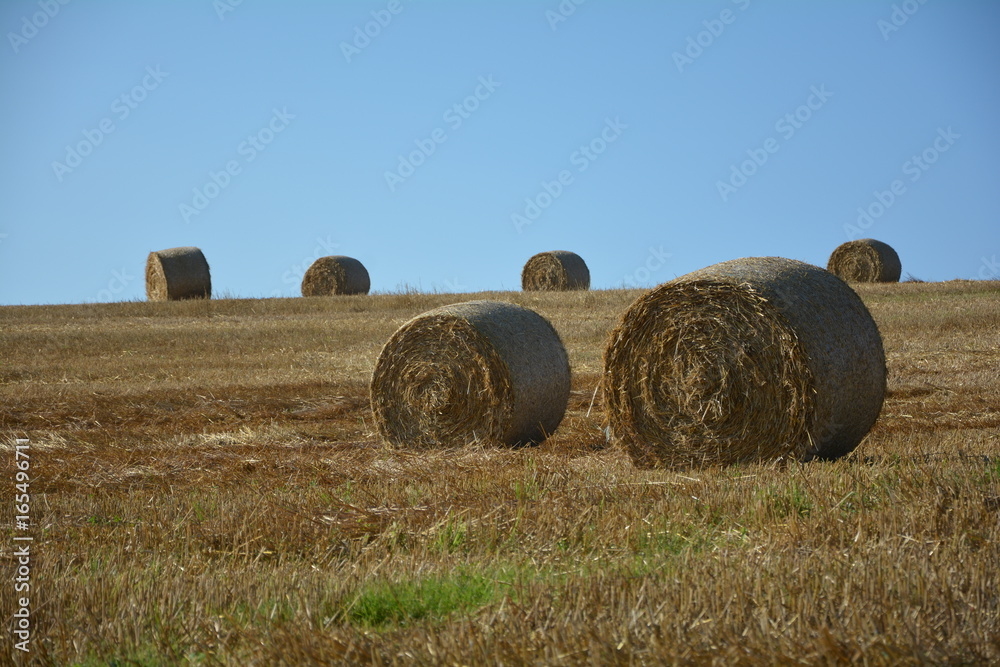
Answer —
865 261
481 370
335 274
177 273
559 270
747 360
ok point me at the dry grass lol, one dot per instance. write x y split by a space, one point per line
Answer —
209 489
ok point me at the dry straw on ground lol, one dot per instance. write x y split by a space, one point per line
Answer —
751 359
477 371
865 261
558 270
177 273
335 274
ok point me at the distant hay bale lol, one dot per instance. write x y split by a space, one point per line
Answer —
335 274
865 261
481 370
177 273
558 270
747 360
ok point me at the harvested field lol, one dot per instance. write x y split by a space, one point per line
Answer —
208 487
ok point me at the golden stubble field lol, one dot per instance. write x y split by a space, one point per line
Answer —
207 488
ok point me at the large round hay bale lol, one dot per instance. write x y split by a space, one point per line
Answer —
865 261
177 273
477 371
747 360
335 274
558 270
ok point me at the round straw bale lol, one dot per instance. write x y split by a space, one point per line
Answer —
481 370
865 261
747 360
177 273
335 274
558 270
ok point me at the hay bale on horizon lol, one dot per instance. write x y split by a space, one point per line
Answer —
177 273
335 275
558 270
865 261
477 371
747 360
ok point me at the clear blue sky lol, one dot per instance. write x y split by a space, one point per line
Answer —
152 98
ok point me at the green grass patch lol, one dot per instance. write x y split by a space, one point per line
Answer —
783 502
382 604
663 543
452 536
